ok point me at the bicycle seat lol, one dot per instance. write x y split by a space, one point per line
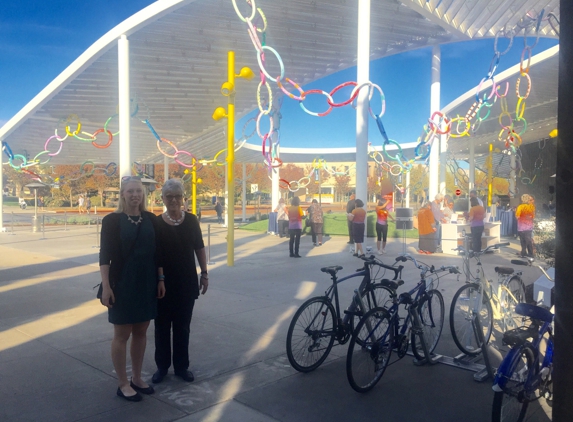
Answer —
520 335
391 284
331 270
533 311
504 270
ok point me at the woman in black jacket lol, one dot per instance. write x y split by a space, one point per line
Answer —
132 280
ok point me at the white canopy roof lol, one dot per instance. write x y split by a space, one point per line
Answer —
178 54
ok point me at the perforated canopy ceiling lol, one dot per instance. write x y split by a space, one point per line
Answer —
178 55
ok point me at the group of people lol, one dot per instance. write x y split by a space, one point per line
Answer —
84 204
148 272
290 220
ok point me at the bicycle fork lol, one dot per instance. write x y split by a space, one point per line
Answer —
418 330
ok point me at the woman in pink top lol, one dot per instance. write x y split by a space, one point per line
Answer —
358 217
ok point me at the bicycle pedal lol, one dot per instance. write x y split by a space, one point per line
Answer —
356 313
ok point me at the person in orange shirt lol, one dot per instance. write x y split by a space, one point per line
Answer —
358 218
295 214
427 229
525 213
382 216
477 214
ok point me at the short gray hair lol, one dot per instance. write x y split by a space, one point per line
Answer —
439 197
173 186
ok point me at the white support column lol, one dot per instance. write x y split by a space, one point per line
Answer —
435 106
124 106
362 76
275 176
407 190
512 193
244 195
442 164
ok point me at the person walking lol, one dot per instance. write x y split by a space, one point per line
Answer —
81 204
316 222
358 219
282 218
476 216
350 205
382 216
88 204
132 281
525 214
295 214
180 242
219 211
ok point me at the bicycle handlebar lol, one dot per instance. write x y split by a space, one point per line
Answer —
496 246
530 263
371 260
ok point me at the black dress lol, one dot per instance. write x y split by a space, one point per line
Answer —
178 245
131 253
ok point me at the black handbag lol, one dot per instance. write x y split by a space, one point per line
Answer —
100 286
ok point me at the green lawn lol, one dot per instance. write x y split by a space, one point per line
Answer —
335 225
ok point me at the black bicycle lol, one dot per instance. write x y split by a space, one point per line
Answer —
318 322
383 330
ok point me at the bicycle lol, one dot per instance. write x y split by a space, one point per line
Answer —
317 322
478 296
379 332
526 368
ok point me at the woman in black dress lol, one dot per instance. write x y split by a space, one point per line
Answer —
132 280
180 241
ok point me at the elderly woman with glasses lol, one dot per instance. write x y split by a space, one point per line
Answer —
181 240
132 281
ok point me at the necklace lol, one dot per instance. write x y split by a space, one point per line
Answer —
135 222
175 222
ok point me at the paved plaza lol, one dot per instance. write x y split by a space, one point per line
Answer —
55 340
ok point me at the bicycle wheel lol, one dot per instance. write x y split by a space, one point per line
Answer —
368 357
311 334
509 405
514 294
431 311
374 296
462 311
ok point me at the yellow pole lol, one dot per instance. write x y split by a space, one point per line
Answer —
490 175
194 188
231 162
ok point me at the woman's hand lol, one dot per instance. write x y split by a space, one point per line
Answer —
350 216
160 289
107 297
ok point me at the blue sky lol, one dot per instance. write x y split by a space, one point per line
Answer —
39 39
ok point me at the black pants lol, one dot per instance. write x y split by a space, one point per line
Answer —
350 237
178 318
526 240
294 241
283 228
477 231
382 232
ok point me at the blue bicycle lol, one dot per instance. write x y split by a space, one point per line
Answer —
382 330
317 323
525 373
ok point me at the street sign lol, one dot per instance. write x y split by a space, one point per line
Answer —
254 188
458 192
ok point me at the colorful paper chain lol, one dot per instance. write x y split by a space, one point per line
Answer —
438 124
317 165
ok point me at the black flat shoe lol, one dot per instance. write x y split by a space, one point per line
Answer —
135 397
185 375
158 376
143 390
292 255
297 255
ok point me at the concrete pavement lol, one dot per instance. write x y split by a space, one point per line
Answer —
55 340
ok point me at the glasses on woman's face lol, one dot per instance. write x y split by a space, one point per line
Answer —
170 198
